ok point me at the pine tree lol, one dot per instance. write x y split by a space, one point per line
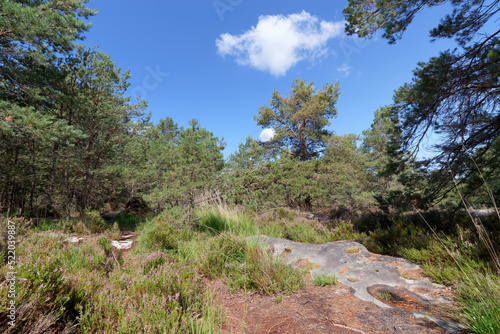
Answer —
454 95
299 120
34 35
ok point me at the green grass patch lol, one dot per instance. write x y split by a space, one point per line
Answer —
248 266
385 296
324 280
220 219
126 222
479 301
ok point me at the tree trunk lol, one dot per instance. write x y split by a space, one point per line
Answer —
52 178
68 197
12 184
66 174
33 178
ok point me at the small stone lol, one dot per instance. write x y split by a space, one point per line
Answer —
74 240
127 244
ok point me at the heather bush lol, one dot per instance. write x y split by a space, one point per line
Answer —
87 288
44 297
165 231
157 294
19 230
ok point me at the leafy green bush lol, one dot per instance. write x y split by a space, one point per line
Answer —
401 235
160 237
165 231
94 221
127 222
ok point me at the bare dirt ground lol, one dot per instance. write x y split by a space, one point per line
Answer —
314 309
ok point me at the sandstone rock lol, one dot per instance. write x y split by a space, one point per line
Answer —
370 275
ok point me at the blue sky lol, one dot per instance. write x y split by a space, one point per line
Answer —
219 61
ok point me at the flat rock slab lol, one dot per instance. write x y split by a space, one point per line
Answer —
313 310
388 282
124 243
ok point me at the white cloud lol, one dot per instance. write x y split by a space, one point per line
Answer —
267 134
278 42
344 69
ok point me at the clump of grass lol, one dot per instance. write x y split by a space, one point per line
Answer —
385 296
324 280
222 255
218 219
353 250
279 223
283 213
278 299
248 266
269 275
479 302
301 230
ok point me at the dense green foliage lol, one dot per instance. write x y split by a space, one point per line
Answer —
76 142
299 120
454 95
73 145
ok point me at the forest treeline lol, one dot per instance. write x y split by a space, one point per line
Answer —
72 140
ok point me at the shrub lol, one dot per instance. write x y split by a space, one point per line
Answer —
94 222
17 228
44 296
161 236
127 222
401 235
157 294
164 232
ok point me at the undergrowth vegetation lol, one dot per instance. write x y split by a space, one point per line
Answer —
161 285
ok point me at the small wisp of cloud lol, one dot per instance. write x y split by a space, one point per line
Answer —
279 42
267 134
